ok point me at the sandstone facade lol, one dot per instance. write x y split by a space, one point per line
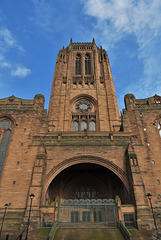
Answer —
82 143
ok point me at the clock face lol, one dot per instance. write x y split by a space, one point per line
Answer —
83 106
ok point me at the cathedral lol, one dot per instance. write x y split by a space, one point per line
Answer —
83 161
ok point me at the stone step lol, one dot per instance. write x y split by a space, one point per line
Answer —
12 235
41 234
141 234
88 234
81 234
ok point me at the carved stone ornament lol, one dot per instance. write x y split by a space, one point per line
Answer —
86 202
83 106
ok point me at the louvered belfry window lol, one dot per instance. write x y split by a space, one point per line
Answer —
78 65
87 64
5 135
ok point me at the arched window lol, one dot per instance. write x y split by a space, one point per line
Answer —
78 65
84 116
159 127
5 135
87 64
75 126
92 126
86 191
83 126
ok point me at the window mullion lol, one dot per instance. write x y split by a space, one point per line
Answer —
88 121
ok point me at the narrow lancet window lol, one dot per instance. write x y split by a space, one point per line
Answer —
92 126
75 126
78 65
83 126
87 64
5 135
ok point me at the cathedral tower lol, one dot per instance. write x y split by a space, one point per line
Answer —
86 165
83 95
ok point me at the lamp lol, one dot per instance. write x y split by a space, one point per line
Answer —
6 205
28 222
149 195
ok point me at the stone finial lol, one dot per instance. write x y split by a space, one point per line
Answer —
71 40
130 148
93 40
118 201
39 99
129 100
41 149
111 137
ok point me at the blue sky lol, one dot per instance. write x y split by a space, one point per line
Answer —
33 31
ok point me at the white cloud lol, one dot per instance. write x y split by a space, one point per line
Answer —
21 72
3 62
8 40
7 37
125 15
116 19
44 14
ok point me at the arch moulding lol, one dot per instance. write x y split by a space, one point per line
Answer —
84 96
85 159
9 117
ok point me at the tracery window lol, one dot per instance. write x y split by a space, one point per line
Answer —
6 127
97 216
159 127
78 65
129 220
84 116
83 125
75 126
86 216
86 191
74 216
92 126
87 64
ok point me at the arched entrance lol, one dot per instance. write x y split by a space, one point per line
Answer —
87 192
56 170
87 181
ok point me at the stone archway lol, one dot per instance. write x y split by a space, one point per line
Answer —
121 175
